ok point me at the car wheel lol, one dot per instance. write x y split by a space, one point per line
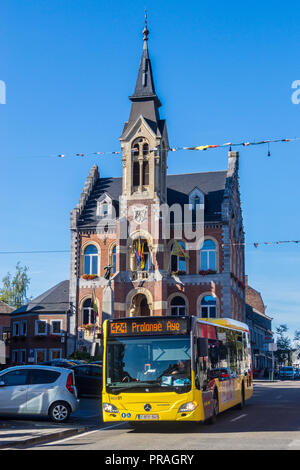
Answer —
59 412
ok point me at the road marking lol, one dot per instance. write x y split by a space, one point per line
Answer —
238 417
82 435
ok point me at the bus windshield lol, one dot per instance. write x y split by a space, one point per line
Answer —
148 364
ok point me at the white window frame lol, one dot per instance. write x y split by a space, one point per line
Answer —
51 327
36 351
15 325
90 259
52 350
23 331
207 252
15 355
104 203
36 332
209 307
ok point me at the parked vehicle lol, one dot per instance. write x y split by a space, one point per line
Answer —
78 361
286 372
88 379
297 373
38 390
59 363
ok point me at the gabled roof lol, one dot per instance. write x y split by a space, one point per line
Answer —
55 299
5 309
212 184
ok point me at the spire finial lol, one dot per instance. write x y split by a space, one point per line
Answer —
145 30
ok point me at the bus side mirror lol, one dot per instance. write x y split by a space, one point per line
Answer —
202 347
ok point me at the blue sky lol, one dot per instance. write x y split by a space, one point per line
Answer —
223 71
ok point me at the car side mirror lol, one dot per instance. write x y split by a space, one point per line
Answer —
202 347
2 384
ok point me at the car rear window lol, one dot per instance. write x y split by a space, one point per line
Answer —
40 376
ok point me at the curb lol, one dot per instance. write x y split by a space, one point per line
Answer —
265 381
45 437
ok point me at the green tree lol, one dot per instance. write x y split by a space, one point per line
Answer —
14 288
284 344
297 339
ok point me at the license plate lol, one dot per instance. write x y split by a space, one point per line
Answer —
147 417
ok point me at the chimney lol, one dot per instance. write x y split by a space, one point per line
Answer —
233 163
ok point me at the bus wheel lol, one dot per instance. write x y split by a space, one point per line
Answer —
213 417
241 405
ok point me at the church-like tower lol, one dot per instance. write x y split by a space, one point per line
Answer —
120 255
144 139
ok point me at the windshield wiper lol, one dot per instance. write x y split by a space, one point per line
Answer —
137 385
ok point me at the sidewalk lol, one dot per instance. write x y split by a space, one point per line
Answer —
17 434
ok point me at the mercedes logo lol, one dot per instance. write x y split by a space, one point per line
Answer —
147 407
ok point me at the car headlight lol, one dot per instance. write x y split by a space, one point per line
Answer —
109 408
187 407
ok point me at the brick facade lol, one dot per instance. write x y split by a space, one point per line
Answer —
136 197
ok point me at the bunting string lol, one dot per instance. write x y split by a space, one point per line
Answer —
257 244
195 148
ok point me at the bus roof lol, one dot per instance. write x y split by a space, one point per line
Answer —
226 322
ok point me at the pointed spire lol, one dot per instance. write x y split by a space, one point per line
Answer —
144 87
145 101
145 30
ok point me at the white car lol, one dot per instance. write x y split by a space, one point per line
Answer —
38 390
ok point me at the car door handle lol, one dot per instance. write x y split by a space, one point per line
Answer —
22 389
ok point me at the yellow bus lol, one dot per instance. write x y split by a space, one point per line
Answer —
174 368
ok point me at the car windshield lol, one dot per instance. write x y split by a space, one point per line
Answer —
158 364
287 369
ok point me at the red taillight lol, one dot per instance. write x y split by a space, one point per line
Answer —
69 383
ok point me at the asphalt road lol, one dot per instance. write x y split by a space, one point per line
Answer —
269 421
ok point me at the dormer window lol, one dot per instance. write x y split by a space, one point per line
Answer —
104 209
104 206
196 198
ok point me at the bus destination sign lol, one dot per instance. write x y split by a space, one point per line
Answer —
142 326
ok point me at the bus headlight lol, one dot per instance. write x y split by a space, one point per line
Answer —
187 407
109 408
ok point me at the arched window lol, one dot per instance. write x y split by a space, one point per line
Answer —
145 149
142 255
90 260
177 306
114 259
88 314
208 256
178 261
208 307
136 174
140 172
145 173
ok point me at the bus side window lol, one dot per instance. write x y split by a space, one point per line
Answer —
201 370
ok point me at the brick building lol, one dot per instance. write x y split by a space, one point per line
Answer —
260 326
118 228
38 329
5 311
